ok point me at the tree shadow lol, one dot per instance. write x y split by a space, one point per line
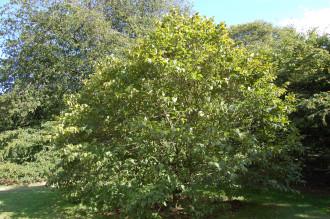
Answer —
283 206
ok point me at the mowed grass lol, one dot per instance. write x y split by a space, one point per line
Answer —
43 202
36 202
278 205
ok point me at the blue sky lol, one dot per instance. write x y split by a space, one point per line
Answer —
303 14
240 11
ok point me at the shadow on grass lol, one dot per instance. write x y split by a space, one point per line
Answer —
32 202
275 205
43 202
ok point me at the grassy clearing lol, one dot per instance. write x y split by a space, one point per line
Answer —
43 202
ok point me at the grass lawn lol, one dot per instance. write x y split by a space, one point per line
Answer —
42 202
35 202
275 205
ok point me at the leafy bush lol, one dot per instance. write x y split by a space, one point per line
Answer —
317 109
28 172
23 144
187 119
26 154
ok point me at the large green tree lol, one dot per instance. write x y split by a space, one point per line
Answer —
187 118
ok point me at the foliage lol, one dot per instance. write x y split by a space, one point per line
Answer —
12 173
302 66
318 109
136 17
47 53
255 34
22 145
27 172
26 155
188 117
47 49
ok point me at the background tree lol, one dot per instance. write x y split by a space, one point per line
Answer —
49 47
302 66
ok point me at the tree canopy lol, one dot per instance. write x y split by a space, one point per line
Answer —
187 113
